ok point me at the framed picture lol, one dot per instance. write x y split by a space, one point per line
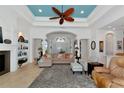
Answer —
119 45
101 46
93 45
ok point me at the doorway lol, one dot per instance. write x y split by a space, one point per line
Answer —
84 52
37 48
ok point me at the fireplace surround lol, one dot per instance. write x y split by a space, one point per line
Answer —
12 49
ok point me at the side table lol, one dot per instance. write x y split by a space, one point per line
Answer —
91 66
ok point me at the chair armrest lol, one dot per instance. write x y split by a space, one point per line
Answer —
119 81
102 69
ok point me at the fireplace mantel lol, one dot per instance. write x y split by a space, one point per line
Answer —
13 55
7 47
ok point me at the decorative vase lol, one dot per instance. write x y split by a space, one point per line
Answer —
7 41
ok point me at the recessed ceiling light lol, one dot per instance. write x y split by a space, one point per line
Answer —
82 12
109 26
40 10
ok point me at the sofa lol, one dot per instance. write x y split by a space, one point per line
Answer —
62 58
120 54
111 77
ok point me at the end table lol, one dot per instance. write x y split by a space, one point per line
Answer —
91 66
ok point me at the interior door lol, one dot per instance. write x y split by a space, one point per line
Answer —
84 52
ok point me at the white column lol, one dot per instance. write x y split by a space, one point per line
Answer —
44 44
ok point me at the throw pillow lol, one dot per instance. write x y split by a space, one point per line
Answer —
59 56
67 56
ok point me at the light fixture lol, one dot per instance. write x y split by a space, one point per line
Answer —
109 26
40 10
82 12
60 39
20 34
113 28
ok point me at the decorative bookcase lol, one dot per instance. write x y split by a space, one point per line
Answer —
22 52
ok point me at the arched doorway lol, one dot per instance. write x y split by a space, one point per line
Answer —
109 43
61 47
60 41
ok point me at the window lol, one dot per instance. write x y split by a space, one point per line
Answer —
60 39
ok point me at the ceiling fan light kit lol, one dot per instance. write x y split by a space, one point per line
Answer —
63 16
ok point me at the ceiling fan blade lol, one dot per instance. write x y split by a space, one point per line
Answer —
69 12
61 21
56 11
70 19
54 18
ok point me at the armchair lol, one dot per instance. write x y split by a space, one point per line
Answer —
110 77
45 61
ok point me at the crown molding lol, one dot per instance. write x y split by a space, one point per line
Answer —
114 13
99 11
56 24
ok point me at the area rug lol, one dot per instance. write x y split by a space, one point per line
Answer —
61 76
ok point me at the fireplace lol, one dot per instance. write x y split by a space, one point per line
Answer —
4 62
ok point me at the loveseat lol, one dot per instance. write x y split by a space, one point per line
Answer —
110 77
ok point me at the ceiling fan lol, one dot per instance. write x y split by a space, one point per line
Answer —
63 15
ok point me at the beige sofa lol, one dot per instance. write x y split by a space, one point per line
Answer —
110 77
62 58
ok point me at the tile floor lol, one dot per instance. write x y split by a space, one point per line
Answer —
22 78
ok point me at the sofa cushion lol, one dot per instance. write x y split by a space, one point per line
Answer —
114 85
118 72
60 56
120 62
118 81
102 69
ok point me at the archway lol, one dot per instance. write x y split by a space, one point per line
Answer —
109 43
60 41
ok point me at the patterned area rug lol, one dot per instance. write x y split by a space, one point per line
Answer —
61 76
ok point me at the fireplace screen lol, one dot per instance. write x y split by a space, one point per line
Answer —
2 63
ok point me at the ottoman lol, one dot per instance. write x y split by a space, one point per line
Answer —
76 67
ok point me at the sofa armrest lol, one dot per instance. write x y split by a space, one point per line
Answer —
119 81
101 69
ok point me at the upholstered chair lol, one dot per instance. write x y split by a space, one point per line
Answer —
45 61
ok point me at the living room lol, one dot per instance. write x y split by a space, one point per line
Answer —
97 37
